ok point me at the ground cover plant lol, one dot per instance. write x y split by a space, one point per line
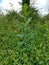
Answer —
24 38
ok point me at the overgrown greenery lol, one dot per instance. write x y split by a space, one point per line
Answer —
24 38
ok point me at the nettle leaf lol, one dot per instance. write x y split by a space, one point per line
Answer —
28 21
29 48
22 16
20 43
20 35
25 7
41 62
30 35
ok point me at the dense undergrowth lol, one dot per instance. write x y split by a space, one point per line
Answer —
24 38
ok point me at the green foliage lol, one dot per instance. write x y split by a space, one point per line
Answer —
24 38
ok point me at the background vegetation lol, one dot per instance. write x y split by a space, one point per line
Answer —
24 38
